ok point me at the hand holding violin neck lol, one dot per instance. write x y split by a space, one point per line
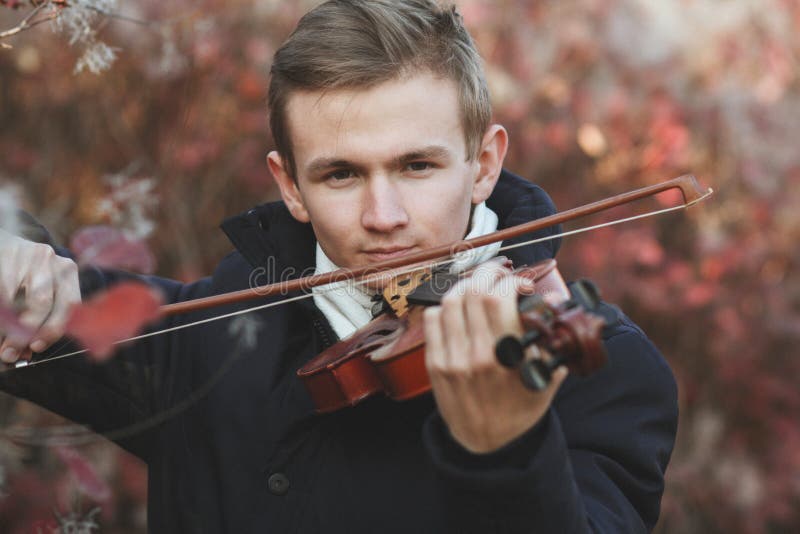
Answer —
567 333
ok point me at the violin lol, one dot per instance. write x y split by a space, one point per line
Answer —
561 325
558 323
387 356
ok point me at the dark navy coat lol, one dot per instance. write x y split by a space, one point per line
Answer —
232 445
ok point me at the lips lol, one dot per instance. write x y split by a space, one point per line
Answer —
386 253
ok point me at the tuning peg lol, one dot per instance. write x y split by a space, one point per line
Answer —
584 293
537 373
510 350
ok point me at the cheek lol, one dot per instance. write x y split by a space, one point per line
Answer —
334 222
443 215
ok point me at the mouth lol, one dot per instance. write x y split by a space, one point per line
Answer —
387 253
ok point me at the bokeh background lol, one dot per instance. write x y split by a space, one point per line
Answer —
600 96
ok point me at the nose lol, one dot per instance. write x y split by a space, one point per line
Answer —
384 209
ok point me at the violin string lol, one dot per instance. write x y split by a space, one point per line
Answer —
602 225
178 327
336 285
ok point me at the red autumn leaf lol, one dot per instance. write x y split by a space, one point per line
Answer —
251 86
89 482
713 268
698 294
678 273
108 247
192 155
114 315
649 253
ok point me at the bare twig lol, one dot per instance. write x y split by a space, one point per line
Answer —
152 25
119 16
26 24
32 14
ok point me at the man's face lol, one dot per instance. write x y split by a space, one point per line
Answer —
383 172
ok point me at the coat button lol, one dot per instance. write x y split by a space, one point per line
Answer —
278 484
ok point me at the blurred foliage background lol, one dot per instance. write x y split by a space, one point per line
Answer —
599 96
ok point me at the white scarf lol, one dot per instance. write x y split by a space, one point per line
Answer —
348 305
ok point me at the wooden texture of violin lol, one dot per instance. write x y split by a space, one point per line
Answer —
572 336
387 356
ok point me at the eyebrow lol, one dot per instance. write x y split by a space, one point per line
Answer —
322 164
428 152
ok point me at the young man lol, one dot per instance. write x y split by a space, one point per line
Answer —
381 119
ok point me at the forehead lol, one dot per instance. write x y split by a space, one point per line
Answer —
393 116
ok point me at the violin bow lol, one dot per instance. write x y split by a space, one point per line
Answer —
688 185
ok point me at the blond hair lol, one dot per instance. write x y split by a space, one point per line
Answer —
351 44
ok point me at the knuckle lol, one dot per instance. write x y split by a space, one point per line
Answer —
443 368
435 367
42 252
484 277
431 314
66 265
32 322
451 300
482 366
482 344
492 301
459 369
490 267
67 279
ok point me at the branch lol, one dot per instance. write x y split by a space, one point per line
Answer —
26 24
119 16
149 24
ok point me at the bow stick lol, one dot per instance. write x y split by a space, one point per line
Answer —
690 189
688 185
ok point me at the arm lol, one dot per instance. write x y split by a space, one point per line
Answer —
593 461
106 396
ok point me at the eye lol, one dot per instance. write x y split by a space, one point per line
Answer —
339 175
417 166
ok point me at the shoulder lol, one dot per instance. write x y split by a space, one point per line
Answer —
516 200
520 198
632 352
232 273
636 385
620 425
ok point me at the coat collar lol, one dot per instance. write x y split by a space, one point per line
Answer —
269 230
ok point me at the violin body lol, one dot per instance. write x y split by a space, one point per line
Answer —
387 356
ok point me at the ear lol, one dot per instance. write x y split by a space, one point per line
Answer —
288 186
489 162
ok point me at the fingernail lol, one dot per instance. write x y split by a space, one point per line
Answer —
38 346
9 355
